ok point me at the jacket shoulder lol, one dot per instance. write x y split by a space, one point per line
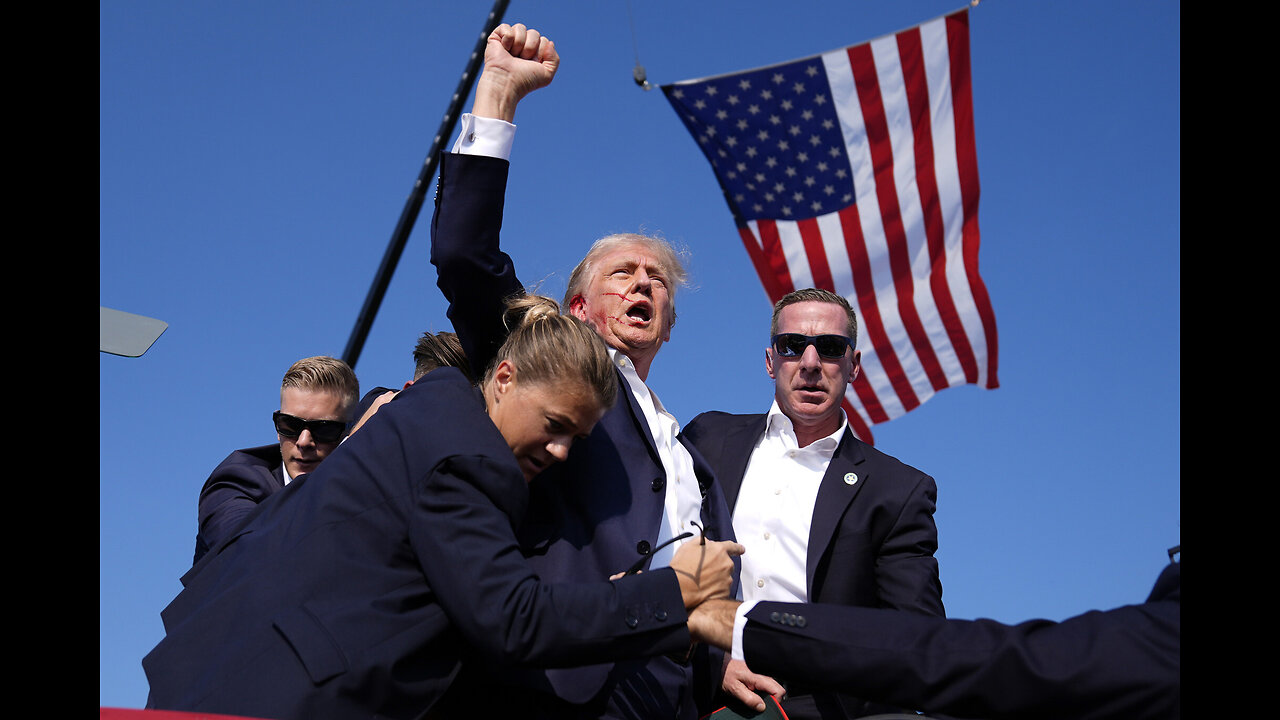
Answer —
718 421
880 461
253 464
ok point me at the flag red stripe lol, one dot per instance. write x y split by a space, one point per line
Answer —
967 160
819 269
763 268
911 58
862 63
859 426
870 401
771 242
872 327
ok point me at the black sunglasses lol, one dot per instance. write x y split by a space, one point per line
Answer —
324 431
831 347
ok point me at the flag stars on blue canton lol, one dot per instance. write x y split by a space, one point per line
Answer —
773 138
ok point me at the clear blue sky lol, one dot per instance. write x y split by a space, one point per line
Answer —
254 159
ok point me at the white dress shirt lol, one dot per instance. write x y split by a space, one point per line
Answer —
774 512
774 509
683 500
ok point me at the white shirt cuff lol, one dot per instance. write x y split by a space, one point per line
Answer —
740 622
485 136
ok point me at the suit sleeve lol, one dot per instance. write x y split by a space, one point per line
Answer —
228 497
474 274
473 563
1119 663
906 569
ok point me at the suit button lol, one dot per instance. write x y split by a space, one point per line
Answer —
775 617
800 621
632 621
660 615
642 547
658 485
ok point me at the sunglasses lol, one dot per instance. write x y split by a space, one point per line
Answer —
323 431
831 347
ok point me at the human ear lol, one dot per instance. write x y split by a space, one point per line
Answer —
504 377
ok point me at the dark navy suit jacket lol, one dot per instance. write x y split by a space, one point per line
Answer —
356 589
598 512
872 539
233 491
1121 664
243 480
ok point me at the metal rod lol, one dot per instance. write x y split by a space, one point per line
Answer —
409 215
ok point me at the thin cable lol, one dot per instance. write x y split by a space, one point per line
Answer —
638 74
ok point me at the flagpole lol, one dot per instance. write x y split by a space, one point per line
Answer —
400 236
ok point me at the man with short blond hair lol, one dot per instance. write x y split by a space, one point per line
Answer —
317 395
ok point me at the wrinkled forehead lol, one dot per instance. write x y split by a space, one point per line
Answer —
631 256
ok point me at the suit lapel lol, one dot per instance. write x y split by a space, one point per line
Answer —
840 485
736 454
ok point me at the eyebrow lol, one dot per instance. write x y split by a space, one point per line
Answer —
631 263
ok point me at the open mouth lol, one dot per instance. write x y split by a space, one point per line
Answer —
640 313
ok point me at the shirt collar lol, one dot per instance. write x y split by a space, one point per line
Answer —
777 424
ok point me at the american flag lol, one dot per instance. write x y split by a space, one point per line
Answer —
855 171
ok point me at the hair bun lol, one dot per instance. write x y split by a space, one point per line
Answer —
549 346
529 309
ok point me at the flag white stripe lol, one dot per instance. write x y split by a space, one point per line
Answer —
797 259
858 148
893 93
842 277
938 67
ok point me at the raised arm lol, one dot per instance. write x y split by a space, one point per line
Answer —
473 272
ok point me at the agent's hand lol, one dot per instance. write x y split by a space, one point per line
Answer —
517 61
705 571
745 685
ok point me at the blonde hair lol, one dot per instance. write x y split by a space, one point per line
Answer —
324 374
547 346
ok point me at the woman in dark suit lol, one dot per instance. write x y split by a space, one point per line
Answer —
355 592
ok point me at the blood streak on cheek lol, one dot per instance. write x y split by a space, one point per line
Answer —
626 320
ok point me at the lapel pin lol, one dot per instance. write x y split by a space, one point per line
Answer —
850 478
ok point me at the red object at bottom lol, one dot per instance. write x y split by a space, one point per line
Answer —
108 713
